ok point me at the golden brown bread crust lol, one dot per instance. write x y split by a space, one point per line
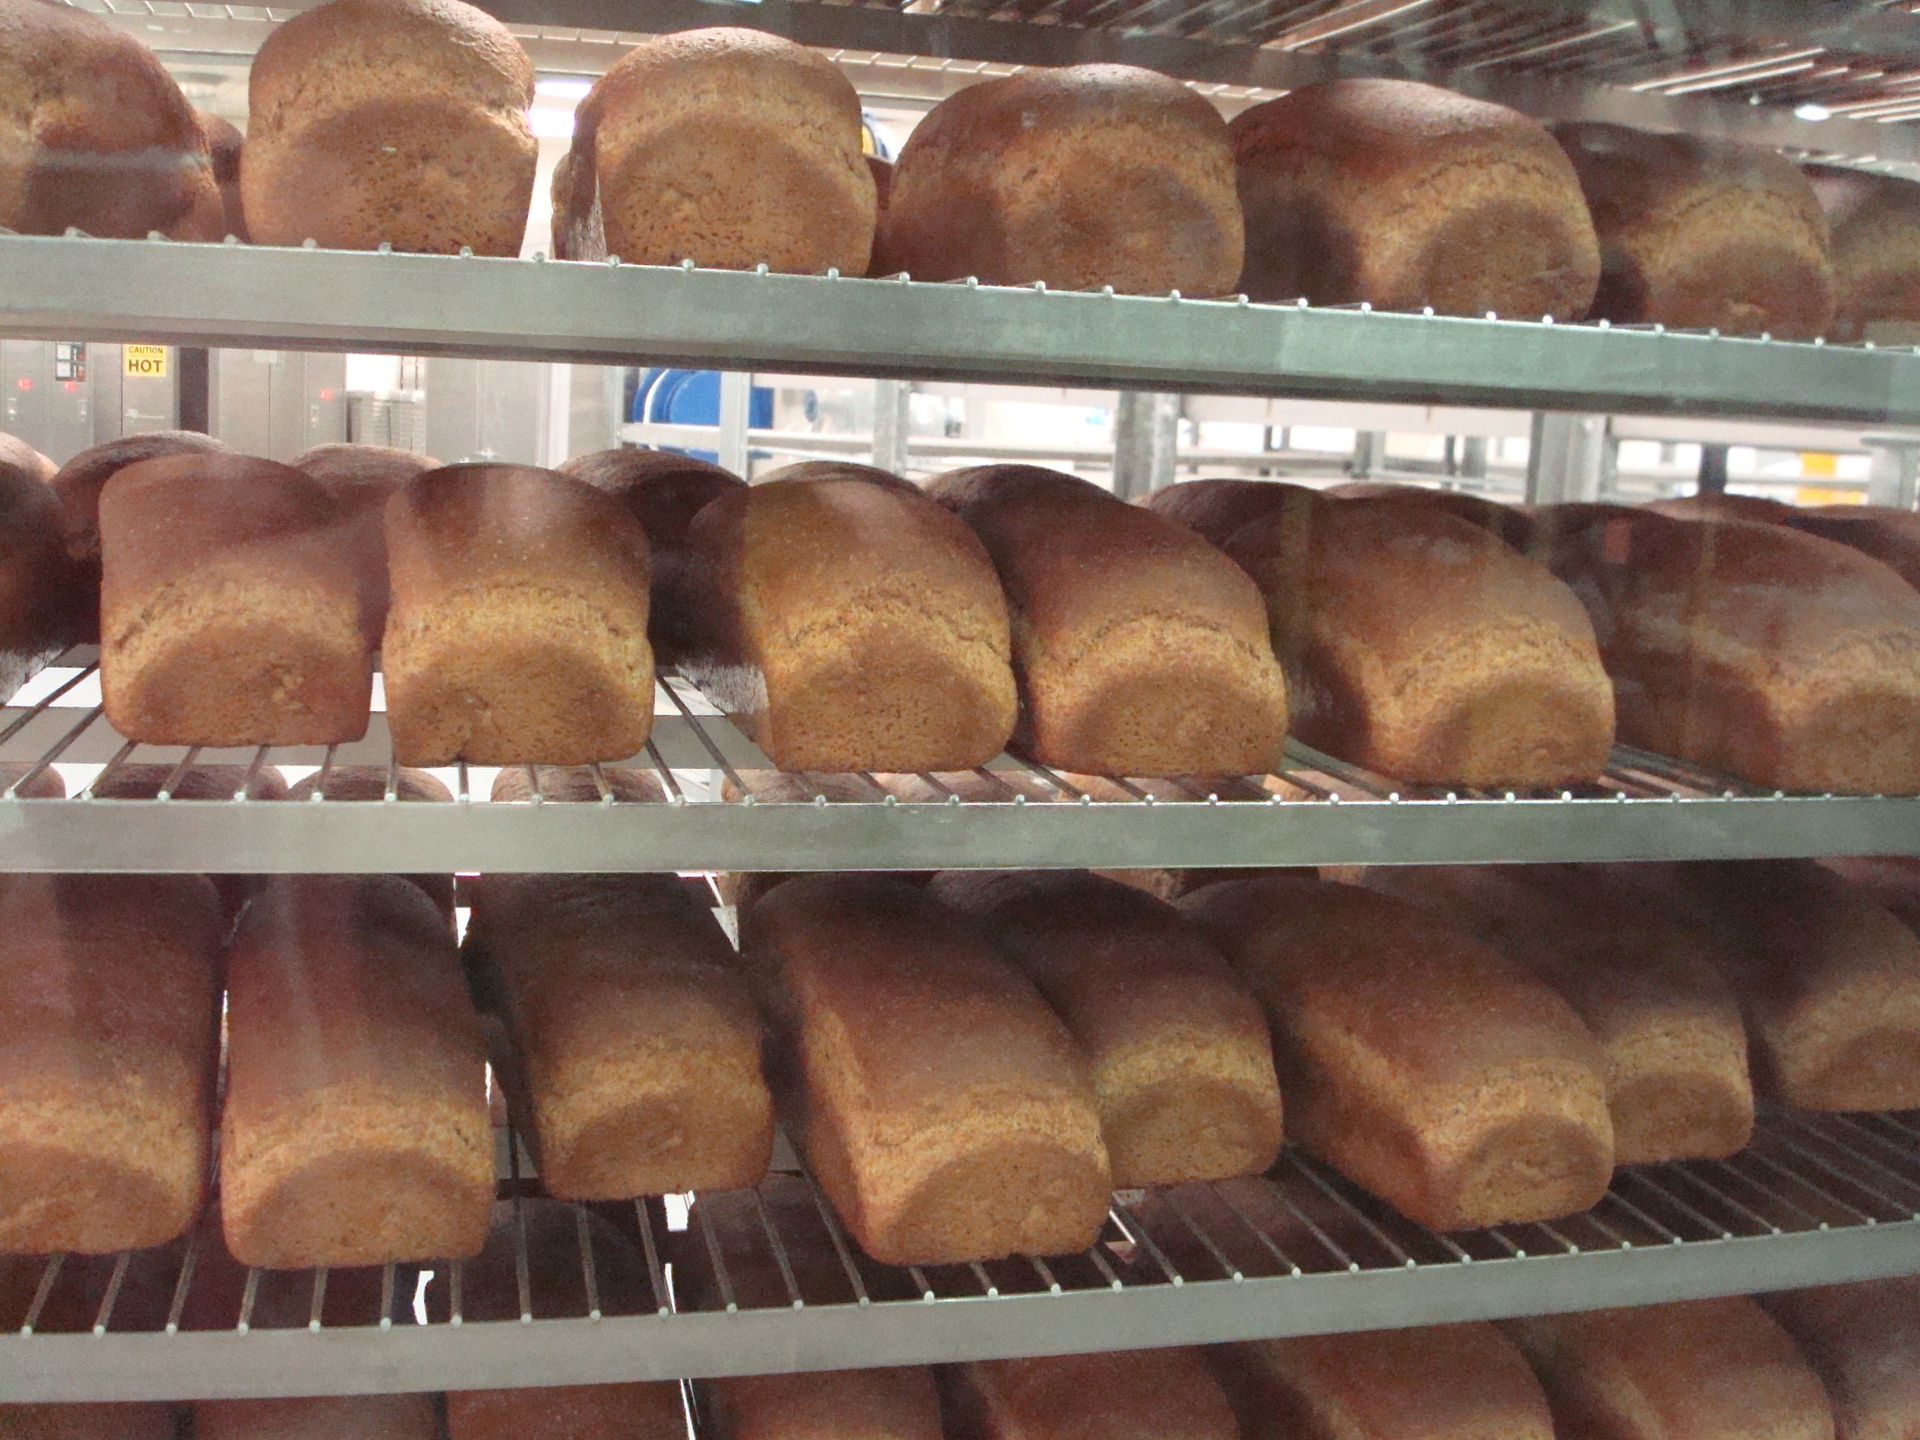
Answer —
1182 1066
664 491
1864 1340
1217 509
43 597
1420 646
1437 1382
1140 650
574 785
93 131
1784 659
1650 990
1890 536
1706 1369
332 1417
1427 1067
887 1404
1700 234
1084 176
728 147
635 1038
107 1038
390 121
1509 522
1875 224
356 1128
517 630
231 611
134 1420
16 454
1166 1393
942 1106
1405 195
847 625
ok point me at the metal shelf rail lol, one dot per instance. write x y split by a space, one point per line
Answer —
75 287
1313 810
1815 1199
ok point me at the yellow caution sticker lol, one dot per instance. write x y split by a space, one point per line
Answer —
146 362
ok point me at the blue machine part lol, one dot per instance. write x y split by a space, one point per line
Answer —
692 397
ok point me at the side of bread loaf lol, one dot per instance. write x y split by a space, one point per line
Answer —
517 630
1182 1066
1864 1340
1082 176
91 1420
1140 649
1168 1393
42 601
1426 1066
1406 195
849 626
355 1130
331 1417
942 1106
1875 223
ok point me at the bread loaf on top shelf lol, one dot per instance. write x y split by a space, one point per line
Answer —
728 147
1167 1393
1140 650
1427 1067
1699 233
1083 176
1406 195
362 479
399 122
1875 224
233 610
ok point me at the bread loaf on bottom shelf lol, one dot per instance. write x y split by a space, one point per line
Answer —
941 1105
90 1420
1182 1066
330 1417
1168 1393
1705 1369
1864 1340
883 1404
1890 536
1438 1382
1426 1066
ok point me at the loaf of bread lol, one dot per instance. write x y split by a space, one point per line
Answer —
1725 508
217 211
942 1106
90 1420
1140 650
362 479
664 491
1890 536
849 626
328 1417
1700 233
231 610
368 783
1405 195
1426 1066
882 171
1864 1341
1415 643
1889 880
1509 522
1783 659
517 628
97 134
108 1002
1829 978
635 1037
556 1289
1437 1382
885 1404
1705 1369
1182 1066
574 785
1875 225
16 454
1647 986
399 122
1164 1393
1083 176
31 781
356 1129
728 147
40 595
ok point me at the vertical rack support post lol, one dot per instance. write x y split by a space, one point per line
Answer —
891 418
1567 459
736 395
1146 438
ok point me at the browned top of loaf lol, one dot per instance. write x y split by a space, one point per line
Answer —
142 781
1890 536
346 980
910 989
466 526
574 783
794 554
1753 509
79 481
1376 128
663 490
348 470
1510 523
1166 1393
878 1404
1437 1382
369 782
1388 979
1865 1341
1719 1369
353 52
364 1417
1638 177
1072 557
21 456
841 470
997 117
1857 198
1215 509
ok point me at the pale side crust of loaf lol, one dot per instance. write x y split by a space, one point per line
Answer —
1167 1393
364 1417
849 626
1436 1382
400 121
1875 221
646 1410
1405 195
108 1001
1864 1340
1424 1065
88 1420
1707 1369
1080 177
890 1404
